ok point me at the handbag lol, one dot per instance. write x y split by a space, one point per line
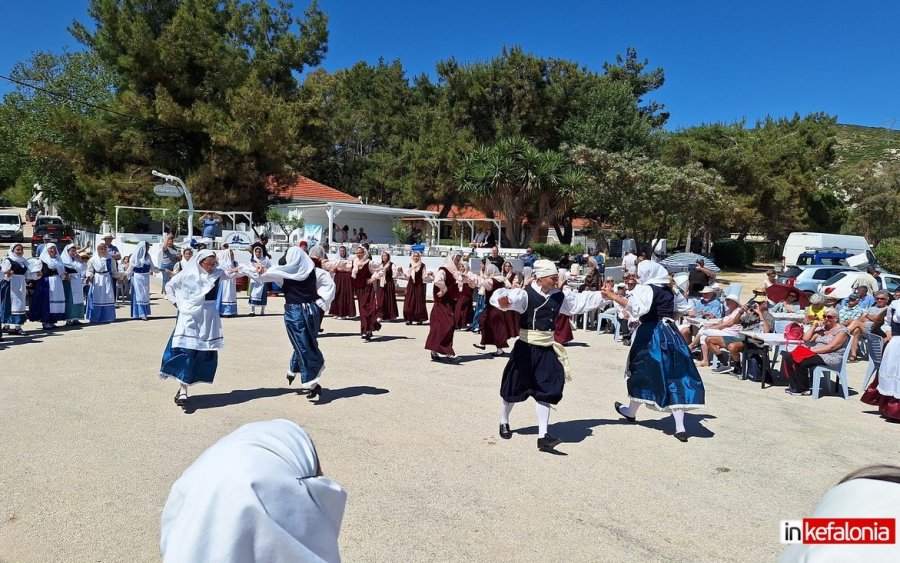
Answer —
793 331
801 353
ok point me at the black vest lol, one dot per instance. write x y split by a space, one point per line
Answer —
540 314
17 269
297 292
663 305
213 293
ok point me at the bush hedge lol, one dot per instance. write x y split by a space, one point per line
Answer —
729 253
555 251
888 254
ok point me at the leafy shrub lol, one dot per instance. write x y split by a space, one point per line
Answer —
888 254
555 251
728 253
762 251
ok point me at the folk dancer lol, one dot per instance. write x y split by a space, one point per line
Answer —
414 310
344 305
139 269
361 274
448 282
74 285
660 371
538 366
259 294
48 304
386 296
308 292
102 274
12 288
227 298
191 354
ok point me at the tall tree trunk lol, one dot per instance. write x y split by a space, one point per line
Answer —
564 234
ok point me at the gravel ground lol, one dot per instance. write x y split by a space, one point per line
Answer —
92 443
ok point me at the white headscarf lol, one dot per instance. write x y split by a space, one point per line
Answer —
12 257
52 263
297 267
651 273
99 262
195 283
74 263
357 263
254 496
262 259
139 257
225 258
414 266
493 272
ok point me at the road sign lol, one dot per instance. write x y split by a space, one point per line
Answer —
167 190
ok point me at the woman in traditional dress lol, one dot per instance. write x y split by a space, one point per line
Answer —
361 274
386 296
74 285
227 299
48 303
661 373
186 254
414 310
562 326
884 391
191 354
139 269
258 292
343 306
480 300
308 292
102 274
12 288
448 282
538 366
258 494
465 311
509 275
494 323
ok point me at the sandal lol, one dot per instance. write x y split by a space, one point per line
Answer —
181 397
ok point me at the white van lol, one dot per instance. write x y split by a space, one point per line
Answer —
798 243
11 227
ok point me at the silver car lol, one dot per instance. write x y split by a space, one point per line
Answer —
808 278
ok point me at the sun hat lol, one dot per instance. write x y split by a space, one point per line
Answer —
707 289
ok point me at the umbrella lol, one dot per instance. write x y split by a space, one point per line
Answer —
681 261
778 291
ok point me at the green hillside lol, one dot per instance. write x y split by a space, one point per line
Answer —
856 143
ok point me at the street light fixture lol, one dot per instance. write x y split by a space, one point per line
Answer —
169 190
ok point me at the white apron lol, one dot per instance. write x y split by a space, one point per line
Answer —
103 290
57 295
140 288
207 335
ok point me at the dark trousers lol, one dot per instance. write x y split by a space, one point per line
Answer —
799 374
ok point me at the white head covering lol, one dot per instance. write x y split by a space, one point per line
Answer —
76 263
414 266
195 284
52 263
543 268
139 257
651 273
254 496
357 263
12 257
99 262
225 258
450 265
297 267
262 259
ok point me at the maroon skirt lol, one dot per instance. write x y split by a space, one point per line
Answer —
465 310
562 329
495 327
414 310
343 304
368 309
888 407
441 327
387 302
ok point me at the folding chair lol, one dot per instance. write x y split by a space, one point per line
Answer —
876 349
824 371
613 318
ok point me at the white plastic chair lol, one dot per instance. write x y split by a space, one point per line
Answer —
613 319
824 371
876 348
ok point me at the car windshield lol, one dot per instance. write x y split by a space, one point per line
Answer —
791 272
9 220
835 278
53 221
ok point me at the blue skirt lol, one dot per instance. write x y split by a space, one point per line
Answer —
661 372
6 297
479 309
533 371
40 304
189 366
99 314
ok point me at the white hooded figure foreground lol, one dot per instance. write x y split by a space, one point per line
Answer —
257 494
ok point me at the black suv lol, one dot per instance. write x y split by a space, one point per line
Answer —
48 228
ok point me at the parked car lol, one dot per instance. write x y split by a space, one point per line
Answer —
808 278
842 284
50 228
798 243
823 257
11 227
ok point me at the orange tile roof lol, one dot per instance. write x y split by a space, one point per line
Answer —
306 189
463 212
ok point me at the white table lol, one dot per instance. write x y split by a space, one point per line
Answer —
789 316
703 323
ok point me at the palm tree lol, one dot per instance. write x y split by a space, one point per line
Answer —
527 185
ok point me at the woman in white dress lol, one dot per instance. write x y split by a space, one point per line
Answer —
15 271
191 355
102 274
74 285
258 293
227 300
140 267
48 304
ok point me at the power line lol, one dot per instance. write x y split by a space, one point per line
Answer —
76 100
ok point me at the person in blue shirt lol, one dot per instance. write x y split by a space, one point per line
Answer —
528 258
112 251
210 225
707 307
865 300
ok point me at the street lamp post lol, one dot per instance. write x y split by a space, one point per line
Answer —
166 191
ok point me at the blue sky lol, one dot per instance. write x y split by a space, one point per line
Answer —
724 61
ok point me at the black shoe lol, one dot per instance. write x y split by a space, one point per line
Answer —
435 357
547 443
722 368
498 352
681 436
315 392
479 346
252 314
181 398
452 360
505 432
408 323
368 336
290 377
619 405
